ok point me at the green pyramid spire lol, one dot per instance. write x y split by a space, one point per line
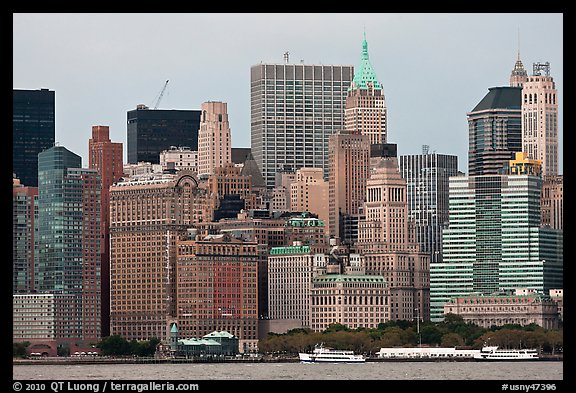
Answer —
365 74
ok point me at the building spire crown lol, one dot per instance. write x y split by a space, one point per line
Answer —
365 77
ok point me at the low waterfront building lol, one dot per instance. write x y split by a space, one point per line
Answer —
216 343
523 308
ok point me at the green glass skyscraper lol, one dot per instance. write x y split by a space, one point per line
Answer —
494 241
68 239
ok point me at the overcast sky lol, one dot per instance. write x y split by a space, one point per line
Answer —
434 67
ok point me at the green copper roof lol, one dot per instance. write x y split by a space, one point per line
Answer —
174 328
365 74
290 250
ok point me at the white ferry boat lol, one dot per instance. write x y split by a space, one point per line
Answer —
322 354
495 353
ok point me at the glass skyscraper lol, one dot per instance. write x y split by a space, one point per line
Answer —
68 239
294 109
494 241
151 131
33 130
427 176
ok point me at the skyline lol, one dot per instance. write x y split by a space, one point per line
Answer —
103 65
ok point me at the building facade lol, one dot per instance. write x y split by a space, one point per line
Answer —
107 158
540 118
309 193
291 270
178 158
503 309
494 130
151 131
214 140
147 217
349 169
33 131
387 241
494 241
552 202
69 236
348 299
217 287
294 108
427 177
24 217
365 112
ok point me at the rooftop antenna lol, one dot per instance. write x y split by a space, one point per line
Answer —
286 54
425 149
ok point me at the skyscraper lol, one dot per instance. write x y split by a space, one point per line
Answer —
68 246
427 177
147 216
540 118
387 241
106 157
33 130
494 241
214 140
494 130
366 111
294 109
24 217
151 131
349 169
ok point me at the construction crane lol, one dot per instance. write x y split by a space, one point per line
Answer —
161 95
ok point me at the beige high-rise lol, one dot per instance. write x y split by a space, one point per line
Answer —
214 141
540 119
310 193
388 243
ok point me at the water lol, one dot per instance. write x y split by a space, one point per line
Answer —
520 371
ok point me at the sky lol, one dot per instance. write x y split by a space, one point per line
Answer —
434 67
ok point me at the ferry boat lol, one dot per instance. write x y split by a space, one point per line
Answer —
495 353
323 354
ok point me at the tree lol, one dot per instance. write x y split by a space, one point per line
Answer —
452 340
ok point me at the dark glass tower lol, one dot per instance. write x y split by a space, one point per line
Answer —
151 131
33 130
495 131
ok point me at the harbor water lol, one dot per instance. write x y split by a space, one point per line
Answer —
439 370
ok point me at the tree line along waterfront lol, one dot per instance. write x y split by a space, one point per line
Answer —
452 332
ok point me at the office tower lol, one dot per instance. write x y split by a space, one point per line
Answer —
494 130
33 131
69 236
147 216
494 241
427 177
309 193
291 270
24 216
107 158
349 168
308 230
540 118
150 131
365 112
552 203
294 108
214 143
217 287
387 241
227 181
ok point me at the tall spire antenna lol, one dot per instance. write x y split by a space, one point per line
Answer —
518 43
